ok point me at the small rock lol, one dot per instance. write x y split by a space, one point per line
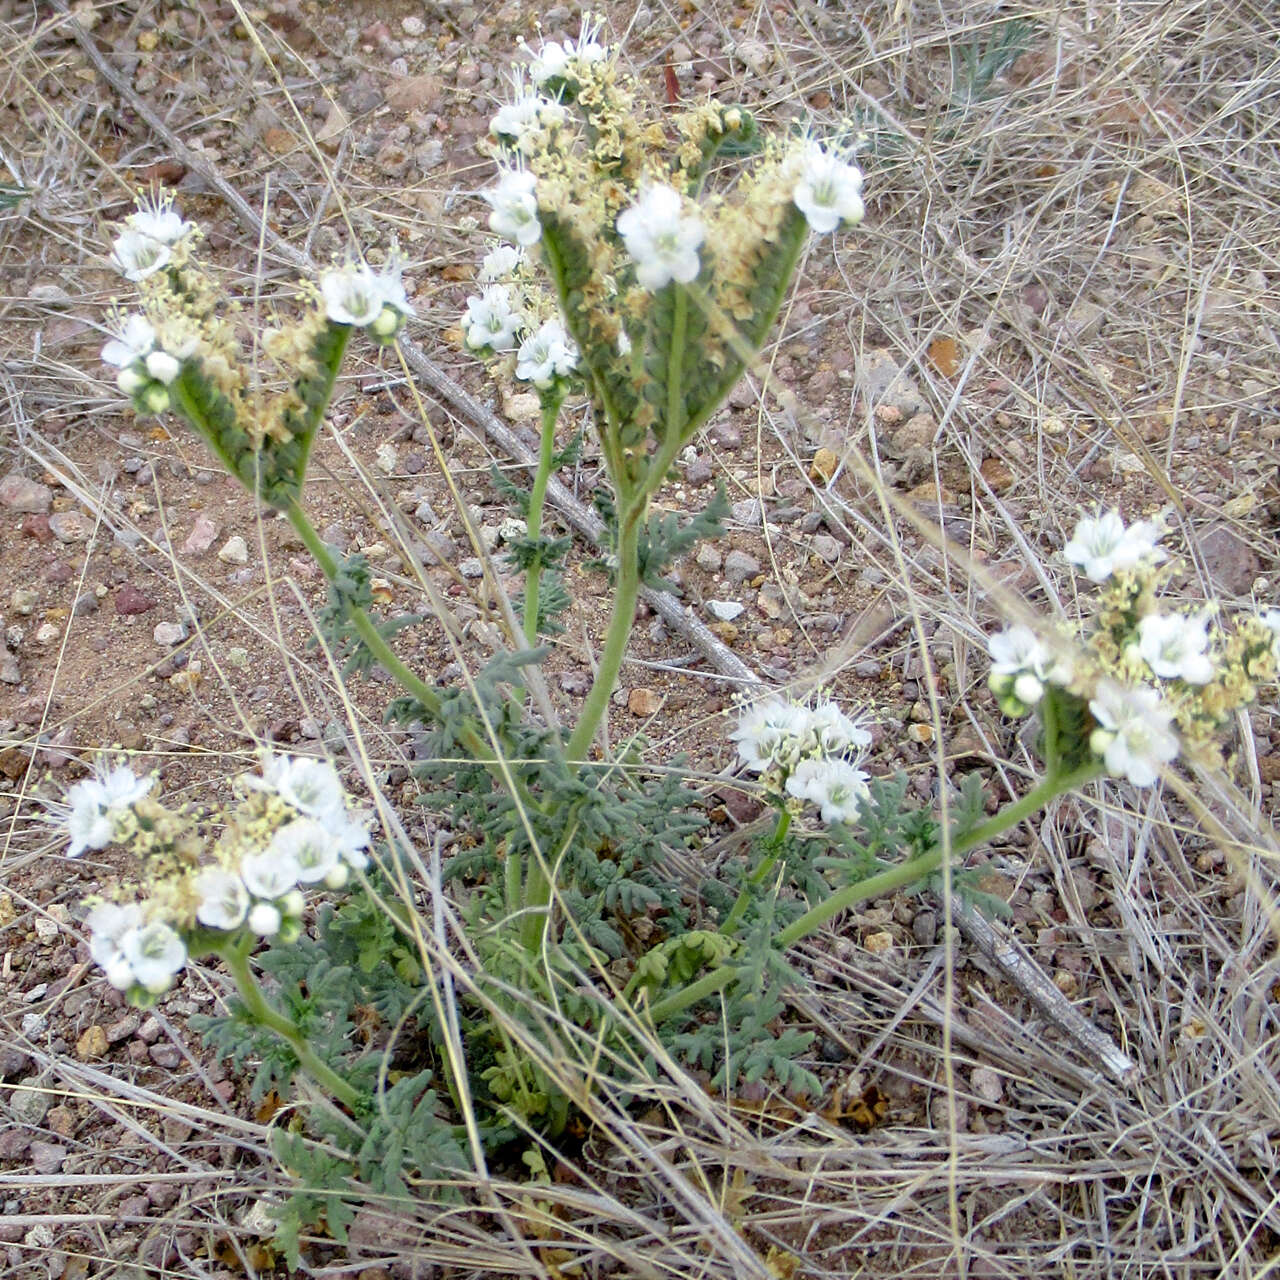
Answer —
124 1027
575 682
10 671
14 1145
47 1157
165 1055
85 604
414 93
708 558
13 1062
201 537
70 526
644 702
62 1121
17 493
47 929
234 551
924 928
739 566
167 634
23 601
826 547
987 1084
748 512
47 633
724 610
37 527
879 943
472 567
329 134
699 472
149 1032
128 601
883 381
824 467
29 1105
1231 562
917 432
1084 320
93 1043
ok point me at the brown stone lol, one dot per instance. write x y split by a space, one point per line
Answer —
644 702
93 1043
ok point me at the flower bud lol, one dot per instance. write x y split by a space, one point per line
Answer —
1099 740
155 399
130 381
293 903
387 323
338 877
264 920
1028 689
158 986
163 367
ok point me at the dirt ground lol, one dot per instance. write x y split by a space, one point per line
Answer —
1064 296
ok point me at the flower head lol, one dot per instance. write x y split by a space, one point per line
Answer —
155 953
1175 648
223 899
137 256
768 733
270 873
499 263
661 238
135 338
829 190
546 355
517 122
157 219
1101 545
834 732
491 320
556 60
310 786
96 804
514 207
1021 666
109 925
1134 735
350 835
310 845
834 785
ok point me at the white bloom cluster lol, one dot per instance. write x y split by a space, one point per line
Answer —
662 239
147 366
1175 647
492 320
1101 545
514 207
557 60
518 123
804 751
1021 666
358 296
828 190
1134 736
546 354
146 244
133 950
96 806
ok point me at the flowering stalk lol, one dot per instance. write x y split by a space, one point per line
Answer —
236 957
552 398
773 848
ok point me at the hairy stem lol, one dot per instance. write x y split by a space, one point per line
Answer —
237 958
773 847
551 402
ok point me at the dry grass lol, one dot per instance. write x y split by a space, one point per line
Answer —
1127 161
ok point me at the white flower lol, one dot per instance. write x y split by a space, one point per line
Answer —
311 846
95 805
350 834
833 731
834 785
1101 545
1022 665
547 354
829 190
137 256
135 339
1175 648
352 295
310 786
269 874
223 898
1133 737
109 925
155 953
500 262
514 207
518 121
264 920
163 367
661 239
554 60
765 729
491 321
550 62
157 219
1271 620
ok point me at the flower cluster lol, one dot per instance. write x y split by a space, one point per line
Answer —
148 238
807 753
292 829
1156 682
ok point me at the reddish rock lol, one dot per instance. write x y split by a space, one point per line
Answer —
37 527
58 572
21 494
201 537
129 600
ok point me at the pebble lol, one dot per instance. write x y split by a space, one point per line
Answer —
413 26
124 1027
201 537
471 568
10 671
708 558
47 929
23 601
47 1157
165 1055
17 493
882 380
1232 564
167 634
738 565
14 1145
924 927
149 1032
85 604
93 1043
699 471
644 702
69 526
575 682
724 610
29 1105
826 547
47 633
128 600
37 527
234 551
747 512
987 1084
13 1062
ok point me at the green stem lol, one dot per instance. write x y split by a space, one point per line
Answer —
551 402
626 592
774 847
237 958
888 881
